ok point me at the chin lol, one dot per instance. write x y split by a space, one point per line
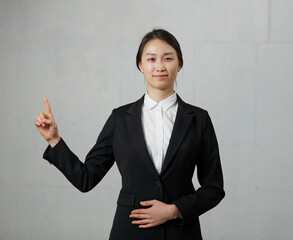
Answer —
162 87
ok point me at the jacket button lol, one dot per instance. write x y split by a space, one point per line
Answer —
159 184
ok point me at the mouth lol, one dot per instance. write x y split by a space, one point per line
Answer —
160 76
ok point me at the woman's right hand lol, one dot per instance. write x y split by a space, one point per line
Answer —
47 126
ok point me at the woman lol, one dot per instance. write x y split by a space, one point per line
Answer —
156 143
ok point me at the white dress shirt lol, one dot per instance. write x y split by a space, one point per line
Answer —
157 122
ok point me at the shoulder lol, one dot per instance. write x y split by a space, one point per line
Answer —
132 107
201 114
202 117
196 110
124 108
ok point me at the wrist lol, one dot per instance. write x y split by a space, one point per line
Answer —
174 212
54 141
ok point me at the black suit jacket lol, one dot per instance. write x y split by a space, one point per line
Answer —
193 143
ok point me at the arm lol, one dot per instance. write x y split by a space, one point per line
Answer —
85 176
210 177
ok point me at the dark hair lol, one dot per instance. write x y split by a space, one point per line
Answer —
162 35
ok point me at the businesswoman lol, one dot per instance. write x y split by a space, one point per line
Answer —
156 142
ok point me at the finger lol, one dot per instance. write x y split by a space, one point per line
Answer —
143 211
37 123
40 121
48 108
147 203
44 115
145 221
141 216
146 225
48 121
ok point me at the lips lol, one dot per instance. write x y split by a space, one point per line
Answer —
160 76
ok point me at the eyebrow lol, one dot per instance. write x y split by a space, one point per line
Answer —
166 53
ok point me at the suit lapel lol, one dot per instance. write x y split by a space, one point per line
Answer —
182 122
134 126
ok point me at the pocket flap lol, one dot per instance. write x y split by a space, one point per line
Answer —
126 199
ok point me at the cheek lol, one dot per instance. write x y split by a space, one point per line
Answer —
173 69
176 67
148 68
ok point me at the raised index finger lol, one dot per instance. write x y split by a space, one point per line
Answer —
48 109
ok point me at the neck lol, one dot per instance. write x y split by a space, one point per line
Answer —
159 95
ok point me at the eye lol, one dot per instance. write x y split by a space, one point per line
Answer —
151 59
168 59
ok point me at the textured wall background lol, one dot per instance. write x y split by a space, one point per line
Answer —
81 55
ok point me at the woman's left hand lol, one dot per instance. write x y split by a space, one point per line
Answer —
155 215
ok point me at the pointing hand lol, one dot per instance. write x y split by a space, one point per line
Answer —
47 126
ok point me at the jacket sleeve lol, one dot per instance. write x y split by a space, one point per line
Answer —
85 176
210 177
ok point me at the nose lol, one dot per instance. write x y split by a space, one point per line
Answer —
160 66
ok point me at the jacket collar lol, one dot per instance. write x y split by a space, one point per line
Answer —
182 121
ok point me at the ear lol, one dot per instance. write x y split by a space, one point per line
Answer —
140 67
179 68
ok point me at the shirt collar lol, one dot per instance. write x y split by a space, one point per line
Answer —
165 103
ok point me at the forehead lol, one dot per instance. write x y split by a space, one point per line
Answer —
158 46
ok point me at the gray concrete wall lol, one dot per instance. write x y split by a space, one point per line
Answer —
81 55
